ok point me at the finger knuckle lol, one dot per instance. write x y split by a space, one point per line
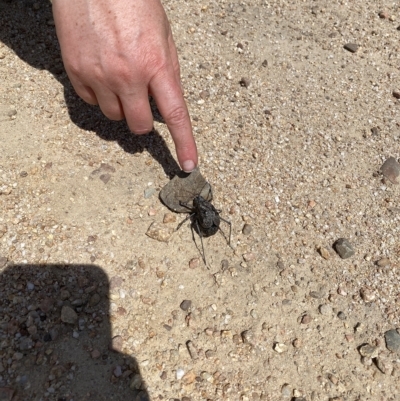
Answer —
112 113
177 116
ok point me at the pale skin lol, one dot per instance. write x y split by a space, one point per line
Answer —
117 53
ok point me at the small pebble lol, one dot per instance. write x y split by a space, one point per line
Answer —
384 365
344 248
245 82
116 344
95 354
317 294
324 253
68 315
368 350
117 371
342 316
306 319
375 131
383 14
392 338
367 295
383 262
105 178
192 350
194 263
179 374
247 229
351 47
185 305
136 382
280 348
248 336
325 309
12 113
148 192
391 169
286 391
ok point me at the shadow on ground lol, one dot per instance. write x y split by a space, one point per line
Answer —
55 337
26 27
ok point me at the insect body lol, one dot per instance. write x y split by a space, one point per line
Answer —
205 219
207 216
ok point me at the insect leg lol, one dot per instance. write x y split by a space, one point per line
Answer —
201 240
230 229
185 205
183 221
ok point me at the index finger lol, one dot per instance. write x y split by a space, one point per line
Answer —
169 98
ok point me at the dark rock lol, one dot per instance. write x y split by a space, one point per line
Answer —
351 47
185 305
375 131
245 82
392 338
247 229
68 315
344 248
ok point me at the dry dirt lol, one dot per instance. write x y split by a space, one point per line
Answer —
292 130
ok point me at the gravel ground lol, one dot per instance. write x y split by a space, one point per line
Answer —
295 109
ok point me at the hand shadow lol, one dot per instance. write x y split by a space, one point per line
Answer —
26 27
55 337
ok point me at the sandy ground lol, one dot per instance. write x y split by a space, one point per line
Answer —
292 130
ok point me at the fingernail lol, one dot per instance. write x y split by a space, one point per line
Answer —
188 166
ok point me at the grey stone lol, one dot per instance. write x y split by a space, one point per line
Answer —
185 305
341 315
344 248
392 338
286 391
248 336
368 350
325 309
94 299
351 47
136 382
149 192
317 294
247 229
391 169
183 188
116 344
68 315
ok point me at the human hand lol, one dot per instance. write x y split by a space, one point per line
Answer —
116 53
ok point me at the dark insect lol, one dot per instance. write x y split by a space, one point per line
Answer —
205 220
